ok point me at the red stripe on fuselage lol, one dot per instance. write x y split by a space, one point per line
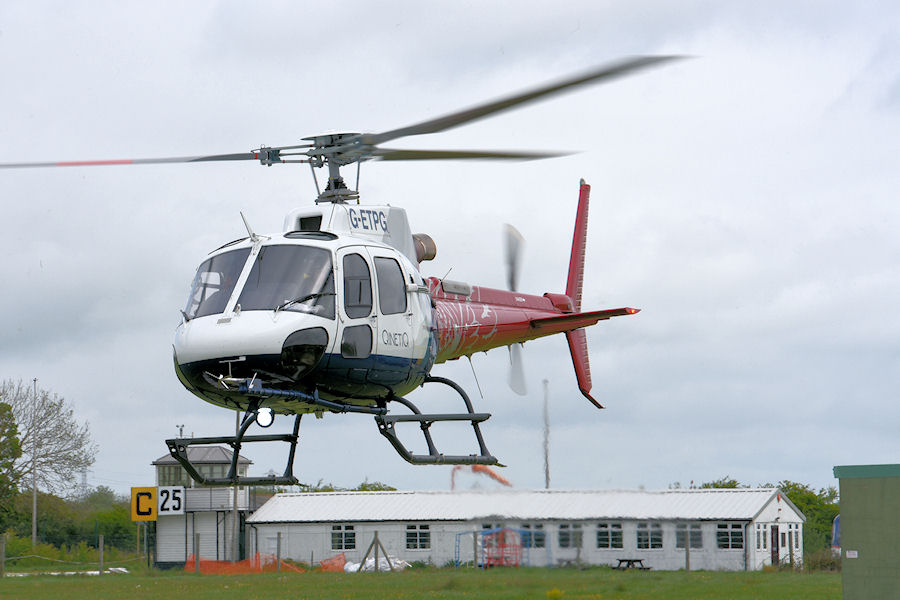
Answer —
487 318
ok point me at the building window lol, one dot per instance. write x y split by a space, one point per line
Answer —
696 535
759 535
343 537
649 536
418 537
796 535
533 535
609 535
173 475
570 535
489 540
730 536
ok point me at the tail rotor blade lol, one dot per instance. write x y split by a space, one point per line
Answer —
513 244
517 370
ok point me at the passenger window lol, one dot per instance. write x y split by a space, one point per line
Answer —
357 342
391 287
357 287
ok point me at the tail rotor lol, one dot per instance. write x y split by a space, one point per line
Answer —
513 244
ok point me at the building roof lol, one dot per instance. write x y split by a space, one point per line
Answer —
204 455
712 504
866 471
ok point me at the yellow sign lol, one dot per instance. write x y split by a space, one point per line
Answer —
143 504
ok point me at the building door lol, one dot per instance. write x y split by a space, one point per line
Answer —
775 556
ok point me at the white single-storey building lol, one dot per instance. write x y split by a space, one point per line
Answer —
725 529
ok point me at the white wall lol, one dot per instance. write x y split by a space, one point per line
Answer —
299 540
776 513
175 536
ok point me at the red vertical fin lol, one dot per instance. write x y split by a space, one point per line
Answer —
577 339
579 243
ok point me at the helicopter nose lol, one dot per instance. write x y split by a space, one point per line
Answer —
215 364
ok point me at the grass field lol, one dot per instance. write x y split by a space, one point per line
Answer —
564 584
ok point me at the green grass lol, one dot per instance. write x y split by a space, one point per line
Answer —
552 584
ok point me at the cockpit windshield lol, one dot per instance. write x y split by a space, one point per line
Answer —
214 283
289 277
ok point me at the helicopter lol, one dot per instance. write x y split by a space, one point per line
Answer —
333 314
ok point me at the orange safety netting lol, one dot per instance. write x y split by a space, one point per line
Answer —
335 564
260 563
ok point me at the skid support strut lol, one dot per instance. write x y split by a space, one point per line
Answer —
178 449
386 426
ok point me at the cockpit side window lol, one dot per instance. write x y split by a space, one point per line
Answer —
391 287
214 283
357 287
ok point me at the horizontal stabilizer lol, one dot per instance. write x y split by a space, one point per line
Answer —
572 321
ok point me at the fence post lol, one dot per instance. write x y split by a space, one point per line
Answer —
196 553
375 541
101 555
278 553
687 549
3 555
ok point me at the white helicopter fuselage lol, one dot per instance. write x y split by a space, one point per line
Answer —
334 304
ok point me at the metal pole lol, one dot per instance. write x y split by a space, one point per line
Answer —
235 556
2 555
546 435
34 468
475 549
100 572
196 553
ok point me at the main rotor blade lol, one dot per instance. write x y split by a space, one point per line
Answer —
604 73
135 161
390 154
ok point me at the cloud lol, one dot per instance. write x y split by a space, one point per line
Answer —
745 200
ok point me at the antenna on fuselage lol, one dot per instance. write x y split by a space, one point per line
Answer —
253 237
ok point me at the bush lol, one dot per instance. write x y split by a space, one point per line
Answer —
45 556
822 561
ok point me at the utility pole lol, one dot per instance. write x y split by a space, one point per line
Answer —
34 468
546 435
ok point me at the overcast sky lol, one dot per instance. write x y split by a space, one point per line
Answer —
746 200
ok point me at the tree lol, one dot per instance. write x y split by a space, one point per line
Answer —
723 483
10 451
54 445
819 507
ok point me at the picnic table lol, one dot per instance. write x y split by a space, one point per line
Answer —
631 563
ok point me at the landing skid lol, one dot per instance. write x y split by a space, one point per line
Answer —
386 425
178 447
